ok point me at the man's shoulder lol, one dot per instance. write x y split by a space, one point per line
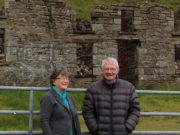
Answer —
124 83
95 85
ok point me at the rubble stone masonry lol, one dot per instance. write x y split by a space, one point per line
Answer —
38 36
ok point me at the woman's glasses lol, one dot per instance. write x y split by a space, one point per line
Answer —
63 78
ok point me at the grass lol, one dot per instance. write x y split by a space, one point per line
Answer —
174 4
84 8
160 103
160 123
1 3
13 122
19 100
16 100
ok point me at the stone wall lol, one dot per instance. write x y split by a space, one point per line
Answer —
153 26
37 41
156 61
41 35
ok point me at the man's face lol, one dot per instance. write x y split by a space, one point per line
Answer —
110 71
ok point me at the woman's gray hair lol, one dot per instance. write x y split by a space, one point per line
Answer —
110 60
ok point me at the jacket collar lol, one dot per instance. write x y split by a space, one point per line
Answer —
110 86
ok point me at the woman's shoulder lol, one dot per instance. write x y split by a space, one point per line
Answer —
70 96
47 96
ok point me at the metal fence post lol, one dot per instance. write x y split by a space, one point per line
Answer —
30 112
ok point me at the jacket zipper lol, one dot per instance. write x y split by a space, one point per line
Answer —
111 132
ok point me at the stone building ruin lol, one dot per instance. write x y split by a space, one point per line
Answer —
37 36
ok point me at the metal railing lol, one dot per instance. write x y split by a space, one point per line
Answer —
32 112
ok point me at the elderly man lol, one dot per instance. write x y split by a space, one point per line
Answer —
111 105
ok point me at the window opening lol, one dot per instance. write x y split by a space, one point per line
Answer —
84 59
177 53
127 20
82 27
2 55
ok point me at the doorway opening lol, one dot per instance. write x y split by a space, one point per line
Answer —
128 59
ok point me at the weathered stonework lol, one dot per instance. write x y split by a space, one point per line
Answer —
41 35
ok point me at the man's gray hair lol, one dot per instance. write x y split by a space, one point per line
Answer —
109 60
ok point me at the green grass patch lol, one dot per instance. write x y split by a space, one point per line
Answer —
37 97
14 100
174 4
78 97
164 87
84 8
160 123
161 103
1 3
13 122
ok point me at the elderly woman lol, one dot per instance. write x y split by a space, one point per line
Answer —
58 113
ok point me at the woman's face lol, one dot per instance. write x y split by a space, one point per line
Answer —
61 82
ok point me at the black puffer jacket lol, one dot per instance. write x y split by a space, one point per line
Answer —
111 109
